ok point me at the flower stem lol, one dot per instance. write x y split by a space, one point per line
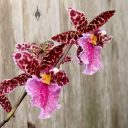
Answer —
64 55
11 113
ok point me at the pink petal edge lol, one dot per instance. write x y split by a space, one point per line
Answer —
43 96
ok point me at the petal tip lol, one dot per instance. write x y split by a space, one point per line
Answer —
113 11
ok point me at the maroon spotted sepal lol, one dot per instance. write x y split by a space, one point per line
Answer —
26 46
69 37
78 19
9 85
30 47
99 21
5 103
27 62
50 60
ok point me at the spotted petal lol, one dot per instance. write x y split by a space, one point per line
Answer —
26 46
60 78
9 85
99 20
52 57
33 48
69 37
43 96
78 19
102 37
5 103
27 62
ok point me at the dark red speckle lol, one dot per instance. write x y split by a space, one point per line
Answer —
78 18
17 56
18 46
72 13
75 23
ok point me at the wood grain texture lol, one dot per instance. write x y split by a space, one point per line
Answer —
98 101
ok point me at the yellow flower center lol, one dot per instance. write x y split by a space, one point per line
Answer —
93 39
46 78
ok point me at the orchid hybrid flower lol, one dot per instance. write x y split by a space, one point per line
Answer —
45 85
45 91
88 38
37 63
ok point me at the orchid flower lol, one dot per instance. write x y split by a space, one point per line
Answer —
45 85
31 63
45 91
88 38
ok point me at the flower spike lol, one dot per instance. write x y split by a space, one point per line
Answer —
42 77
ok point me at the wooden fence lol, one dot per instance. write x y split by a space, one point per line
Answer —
98 101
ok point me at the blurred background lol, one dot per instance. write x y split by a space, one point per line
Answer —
98 101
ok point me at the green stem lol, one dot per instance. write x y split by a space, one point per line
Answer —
11 113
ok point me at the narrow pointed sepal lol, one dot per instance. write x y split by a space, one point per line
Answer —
5 103
99 21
